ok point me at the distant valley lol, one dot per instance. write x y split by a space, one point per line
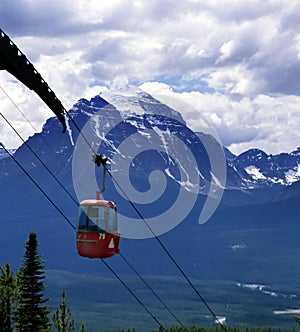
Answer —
251 239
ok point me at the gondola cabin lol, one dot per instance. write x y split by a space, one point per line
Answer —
97 233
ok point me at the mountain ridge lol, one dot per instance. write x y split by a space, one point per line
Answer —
250 171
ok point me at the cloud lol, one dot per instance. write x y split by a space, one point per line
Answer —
267 122
162 38
238 61
37 18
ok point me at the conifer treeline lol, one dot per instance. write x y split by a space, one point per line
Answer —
22 303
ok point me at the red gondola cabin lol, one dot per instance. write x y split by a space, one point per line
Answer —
97 233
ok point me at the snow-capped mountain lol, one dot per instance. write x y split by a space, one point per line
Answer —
135 111
258 168
185 157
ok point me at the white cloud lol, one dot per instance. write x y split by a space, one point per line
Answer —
267 122
242 57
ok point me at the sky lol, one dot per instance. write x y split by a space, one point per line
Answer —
237 62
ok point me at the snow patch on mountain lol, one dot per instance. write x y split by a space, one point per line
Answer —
69 130
292 175
255 173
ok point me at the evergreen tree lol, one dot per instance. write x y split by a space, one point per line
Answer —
82 329
7 297
63 319
31 313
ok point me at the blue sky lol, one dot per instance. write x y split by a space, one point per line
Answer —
237 62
